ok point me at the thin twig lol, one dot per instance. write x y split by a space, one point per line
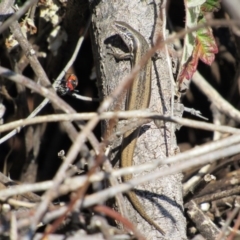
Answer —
48 196
31 54
88 129
191 184
179 35
81 139
84 98
218 195
111 192
177 167
39 72
13 227
32 11
196 156
116 216
122 115
74 56
51 95
17 15
230 218
234 230
169 65
75 202
222 105
107 166
82 136
17 203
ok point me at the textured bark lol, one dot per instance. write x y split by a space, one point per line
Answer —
161 198
5 9
206 227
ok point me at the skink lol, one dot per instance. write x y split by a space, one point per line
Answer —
138 97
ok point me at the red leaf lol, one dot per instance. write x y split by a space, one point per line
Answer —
207 47
190 66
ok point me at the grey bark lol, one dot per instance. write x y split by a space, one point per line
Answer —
5 9
162 198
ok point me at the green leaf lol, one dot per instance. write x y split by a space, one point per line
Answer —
211 6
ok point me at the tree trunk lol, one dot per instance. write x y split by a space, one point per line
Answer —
161 198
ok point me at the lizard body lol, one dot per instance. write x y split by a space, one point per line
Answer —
138 97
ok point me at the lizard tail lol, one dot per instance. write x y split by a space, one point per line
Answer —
129 143
139 208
